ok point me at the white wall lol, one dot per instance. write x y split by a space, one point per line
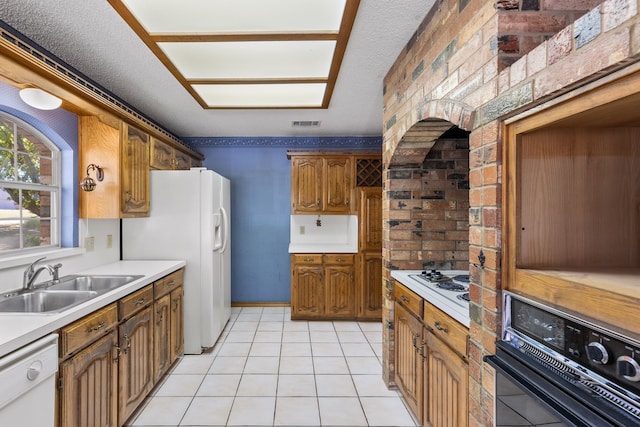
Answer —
11 277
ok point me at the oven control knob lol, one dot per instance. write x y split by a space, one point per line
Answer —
597 353
628 368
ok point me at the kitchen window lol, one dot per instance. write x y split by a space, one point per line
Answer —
29 188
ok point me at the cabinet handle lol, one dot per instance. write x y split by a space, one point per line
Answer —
96 328
117 349
128 341
176 302
414 339
159 313
140 301
347 202
171 283
420 351
340 259
441 328
403 298
308 259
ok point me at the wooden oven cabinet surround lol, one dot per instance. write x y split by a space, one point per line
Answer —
571 199
431 367
111 359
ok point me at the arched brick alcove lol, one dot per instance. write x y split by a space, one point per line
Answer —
426 200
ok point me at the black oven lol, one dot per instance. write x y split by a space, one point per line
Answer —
554 369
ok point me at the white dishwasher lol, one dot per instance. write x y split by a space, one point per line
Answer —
27 384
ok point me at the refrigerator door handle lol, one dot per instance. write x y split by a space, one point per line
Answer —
225 229
217 241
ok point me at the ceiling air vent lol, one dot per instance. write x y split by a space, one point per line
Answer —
305 123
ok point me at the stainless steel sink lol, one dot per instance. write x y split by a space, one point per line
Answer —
69 291
43 301
97 283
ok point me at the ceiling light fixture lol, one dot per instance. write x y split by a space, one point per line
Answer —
37 98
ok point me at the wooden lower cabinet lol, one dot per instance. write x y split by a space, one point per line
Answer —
161 334
340 293
135 364
409 372
89 385
446 386
370 287
323 286
176 337
110 362
431 370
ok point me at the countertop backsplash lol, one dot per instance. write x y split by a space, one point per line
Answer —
99 229
323 233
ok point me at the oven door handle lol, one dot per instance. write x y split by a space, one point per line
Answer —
562 404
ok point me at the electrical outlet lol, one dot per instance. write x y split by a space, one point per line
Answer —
109 241
89 243
302 230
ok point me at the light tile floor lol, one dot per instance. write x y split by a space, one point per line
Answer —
267 370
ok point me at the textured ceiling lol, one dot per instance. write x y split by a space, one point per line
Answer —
91 36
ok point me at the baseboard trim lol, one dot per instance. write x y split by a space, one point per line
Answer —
260 304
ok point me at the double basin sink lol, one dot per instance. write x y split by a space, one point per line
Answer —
54 297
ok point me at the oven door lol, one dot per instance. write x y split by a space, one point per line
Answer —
529 394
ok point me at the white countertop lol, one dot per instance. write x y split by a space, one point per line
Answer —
437 300
322 248
19 329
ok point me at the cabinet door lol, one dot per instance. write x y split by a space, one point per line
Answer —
446 388
370 218
306 184
337 184
134 173
161 155
307 291
136 362
340 295
181 161
89 393
370 285
177 324
161 336
408 362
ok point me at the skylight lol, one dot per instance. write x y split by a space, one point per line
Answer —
233 54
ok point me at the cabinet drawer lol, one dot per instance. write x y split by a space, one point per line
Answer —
446 328
408 299
307 259
168 283
134 302
345 259
87 329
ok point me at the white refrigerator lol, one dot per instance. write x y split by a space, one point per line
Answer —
190 219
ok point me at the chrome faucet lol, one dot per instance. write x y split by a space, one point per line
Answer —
31 273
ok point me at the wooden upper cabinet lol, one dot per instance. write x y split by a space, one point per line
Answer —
165 157
123 154
322 184
338 184
306 183
134 173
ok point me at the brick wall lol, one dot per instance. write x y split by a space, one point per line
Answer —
458 69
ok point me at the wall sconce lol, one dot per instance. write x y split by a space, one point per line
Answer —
88 183
37 98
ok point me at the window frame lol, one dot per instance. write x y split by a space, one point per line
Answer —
55 188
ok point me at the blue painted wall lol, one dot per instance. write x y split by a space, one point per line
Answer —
260 175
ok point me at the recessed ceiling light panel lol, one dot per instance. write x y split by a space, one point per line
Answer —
252 60
262 96
240 53
237 16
